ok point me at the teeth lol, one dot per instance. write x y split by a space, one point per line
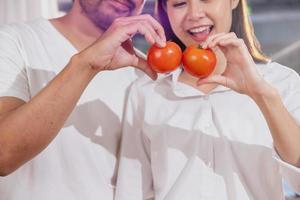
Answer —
198 30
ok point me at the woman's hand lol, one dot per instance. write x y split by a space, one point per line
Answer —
241 73
114 49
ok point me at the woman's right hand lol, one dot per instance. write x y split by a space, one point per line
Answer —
241 73
114 48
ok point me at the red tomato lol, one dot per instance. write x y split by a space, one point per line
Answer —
199 62
166 59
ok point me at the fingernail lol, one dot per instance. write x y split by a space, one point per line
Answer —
162 43
205 45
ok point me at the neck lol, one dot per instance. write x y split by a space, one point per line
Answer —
77 28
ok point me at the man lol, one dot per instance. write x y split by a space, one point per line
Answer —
62 89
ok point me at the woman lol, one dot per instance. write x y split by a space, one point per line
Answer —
233 135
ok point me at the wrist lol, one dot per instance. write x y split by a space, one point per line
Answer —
81 63
262 90
265 95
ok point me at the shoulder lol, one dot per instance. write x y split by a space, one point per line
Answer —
21 31
11 42
278 74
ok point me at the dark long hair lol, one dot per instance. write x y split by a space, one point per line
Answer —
241 26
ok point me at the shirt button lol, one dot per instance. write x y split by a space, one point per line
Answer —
209 164
206 97
207 126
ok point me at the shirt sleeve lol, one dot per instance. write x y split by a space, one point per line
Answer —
290 173
134 175
291 100
292 95
13 77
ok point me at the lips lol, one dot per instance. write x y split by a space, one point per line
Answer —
122 6
200 33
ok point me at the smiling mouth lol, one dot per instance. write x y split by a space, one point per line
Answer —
200 34
122 6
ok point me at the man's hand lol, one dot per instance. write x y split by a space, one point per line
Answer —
114 49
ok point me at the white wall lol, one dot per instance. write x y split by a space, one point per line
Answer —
23 10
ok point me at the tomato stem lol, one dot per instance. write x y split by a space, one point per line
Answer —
199 46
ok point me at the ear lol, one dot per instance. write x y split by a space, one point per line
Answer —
234 4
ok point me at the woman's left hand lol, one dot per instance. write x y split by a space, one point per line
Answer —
241 73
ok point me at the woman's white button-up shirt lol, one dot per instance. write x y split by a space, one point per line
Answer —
181 144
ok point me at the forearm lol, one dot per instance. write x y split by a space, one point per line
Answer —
284 129
27 130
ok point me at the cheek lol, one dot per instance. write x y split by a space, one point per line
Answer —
222 17
224 24
176 22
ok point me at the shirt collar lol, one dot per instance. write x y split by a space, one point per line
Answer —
183 90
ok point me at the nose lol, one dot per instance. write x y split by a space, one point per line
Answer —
196 10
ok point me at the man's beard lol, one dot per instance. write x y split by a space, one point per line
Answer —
100 17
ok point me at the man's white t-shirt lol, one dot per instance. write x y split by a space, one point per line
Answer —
80 163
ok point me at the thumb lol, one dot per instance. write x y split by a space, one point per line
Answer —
141 62
143 66
218 79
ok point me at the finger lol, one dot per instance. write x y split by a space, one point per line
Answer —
153 22
158 28
218 79
139 62
209 39
232 42
128 46
216 40
146 28
129 30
